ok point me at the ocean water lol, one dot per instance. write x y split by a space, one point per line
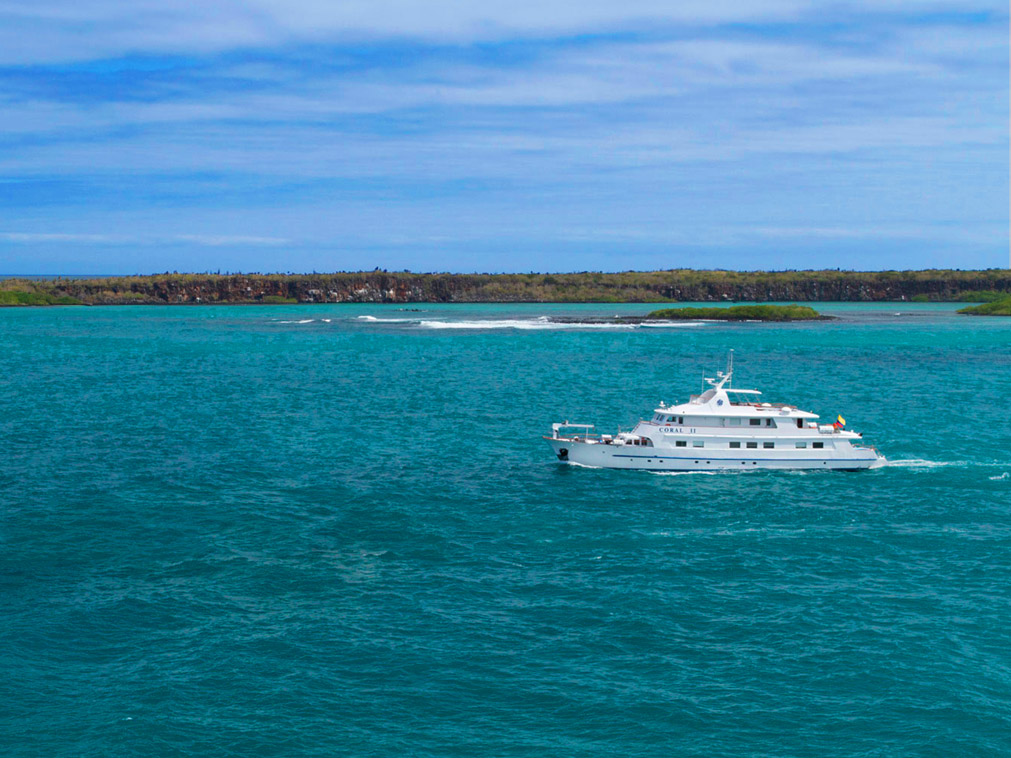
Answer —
335 530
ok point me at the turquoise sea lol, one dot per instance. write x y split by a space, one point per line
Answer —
335 530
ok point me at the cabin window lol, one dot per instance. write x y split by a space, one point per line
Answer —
768 445
647 442
671 419
801 444
698 443
800 423
735 422
755 421
752 445
770 422
680 443
735 444
681 420
818 444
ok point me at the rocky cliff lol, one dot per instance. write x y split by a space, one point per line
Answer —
406 287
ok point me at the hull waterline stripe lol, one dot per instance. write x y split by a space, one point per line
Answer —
734 460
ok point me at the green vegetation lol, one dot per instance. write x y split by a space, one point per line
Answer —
20 297
673 286
982 296
921 298
278 300
995 308
742 313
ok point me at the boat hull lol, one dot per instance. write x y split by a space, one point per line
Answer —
597 455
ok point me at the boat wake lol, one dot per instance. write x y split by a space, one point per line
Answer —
1000 477
920 463
690 473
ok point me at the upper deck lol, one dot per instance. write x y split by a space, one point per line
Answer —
718 402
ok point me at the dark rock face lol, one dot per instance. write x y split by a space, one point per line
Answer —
658 286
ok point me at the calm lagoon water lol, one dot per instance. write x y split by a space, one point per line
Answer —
334 530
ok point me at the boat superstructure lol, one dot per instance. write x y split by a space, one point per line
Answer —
721 428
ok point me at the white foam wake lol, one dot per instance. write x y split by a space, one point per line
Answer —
920 463
301 321
1001 477
686 473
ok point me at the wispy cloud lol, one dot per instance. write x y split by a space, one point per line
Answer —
36 237
205 240
221 240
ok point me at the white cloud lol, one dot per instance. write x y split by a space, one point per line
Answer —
31 238
69 30
222 240
204 240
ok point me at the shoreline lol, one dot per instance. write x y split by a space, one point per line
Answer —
404 288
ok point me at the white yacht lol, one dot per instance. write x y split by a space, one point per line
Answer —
723 428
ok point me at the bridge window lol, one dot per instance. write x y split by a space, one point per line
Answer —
800 423
755 421
671 419
735 444
752 445
770 422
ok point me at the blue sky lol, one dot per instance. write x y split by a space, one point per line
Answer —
502 136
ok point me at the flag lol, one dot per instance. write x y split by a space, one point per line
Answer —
840 422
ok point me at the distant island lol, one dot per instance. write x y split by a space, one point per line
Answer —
995 307
676 285
741 313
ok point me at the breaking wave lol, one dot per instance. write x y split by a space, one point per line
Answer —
373 319
540 323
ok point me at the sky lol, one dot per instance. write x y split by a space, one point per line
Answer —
306 135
